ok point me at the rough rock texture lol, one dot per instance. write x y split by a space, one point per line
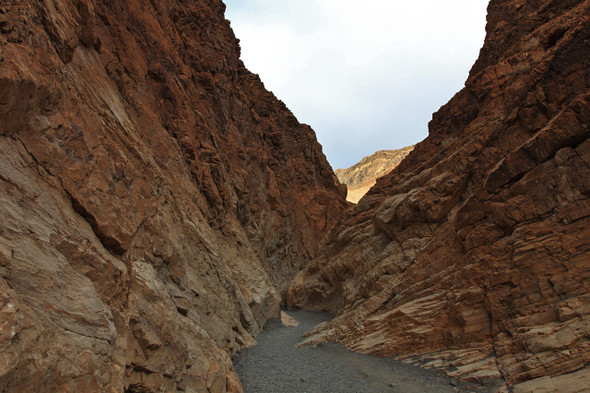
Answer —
288 321
475 251
153 195
360 177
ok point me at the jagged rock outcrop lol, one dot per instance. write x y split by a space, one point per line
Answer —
363 175
475 251
153 197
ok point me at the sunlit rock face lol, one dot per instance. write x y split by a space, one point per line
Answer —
154 197
363 175
475 251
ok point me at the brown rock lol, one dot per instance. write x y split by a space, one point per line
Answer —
155 197
288 320
474 252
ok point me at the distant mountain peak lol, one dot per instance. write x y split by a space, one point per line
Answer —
360 177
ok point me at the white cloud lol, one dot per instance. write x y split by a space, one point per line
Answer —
365 75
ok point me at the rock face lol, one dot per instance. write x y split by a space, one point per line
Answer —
360 177
475 251
154 195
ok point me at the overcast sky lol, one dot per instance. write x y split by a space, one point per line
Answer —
366 75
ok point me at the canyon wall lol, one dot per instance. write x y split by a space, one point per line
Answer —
474 254
154 197
363 175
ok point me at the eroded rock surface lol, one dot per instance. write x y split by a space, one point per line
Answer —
154 195
475 252
363 175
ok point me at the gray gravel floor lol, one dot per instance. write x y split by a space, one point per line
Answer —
276 365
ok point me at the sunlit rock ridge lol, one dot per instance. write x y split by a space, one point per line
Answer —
363 175
475 252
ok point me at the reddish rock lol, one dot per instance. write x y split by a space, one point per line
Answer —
475 251
154 195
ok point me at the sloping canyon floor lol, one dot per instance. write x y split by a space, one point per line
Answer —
275 364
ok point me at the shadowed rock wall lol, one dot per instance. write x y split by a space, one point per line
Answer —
153 196
475 251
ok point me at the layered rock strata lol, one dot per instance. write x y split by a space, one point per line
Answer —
475 252
154 195
363 175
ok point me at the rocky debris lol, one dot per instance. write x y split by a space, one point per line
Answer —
288 321
360 177
154 195
474 253
276 364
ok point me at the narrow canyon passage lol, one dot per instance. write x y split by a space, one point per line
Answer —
275 364
157 202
